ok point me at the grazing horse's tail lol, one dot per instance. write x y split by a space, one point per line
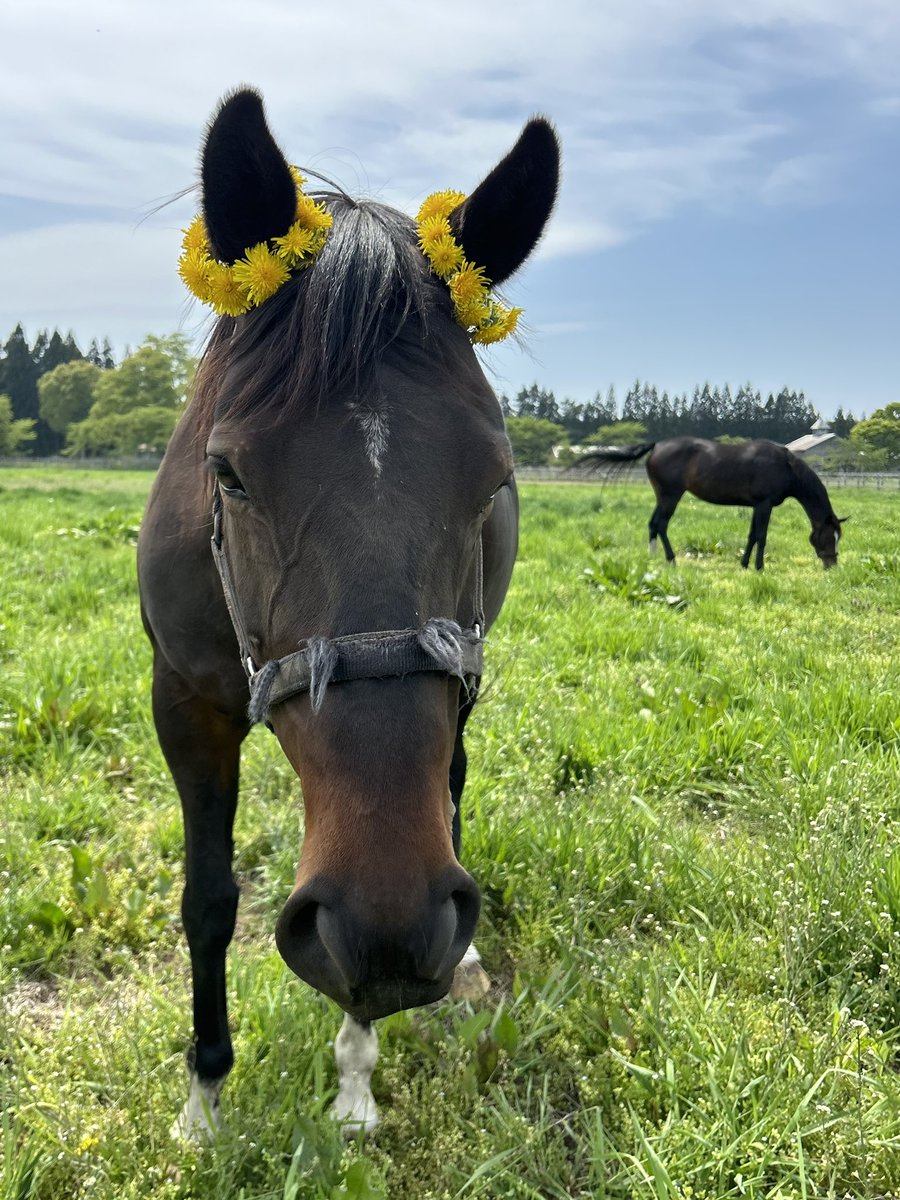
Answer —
612 456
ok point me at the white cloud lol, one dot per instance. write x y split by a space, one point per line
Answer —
803 179
661 108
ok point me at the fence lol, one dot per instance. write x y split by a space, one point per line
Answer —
869 479
883 480
140 462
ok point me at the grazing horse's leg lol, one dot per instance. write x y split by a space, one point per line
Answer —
659 522
759 528
202 748
356 1053
470 980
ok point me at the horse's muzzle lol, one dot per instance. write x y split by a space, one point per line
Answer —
368 968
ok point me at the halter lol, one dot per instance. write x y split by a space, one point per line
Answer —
439 645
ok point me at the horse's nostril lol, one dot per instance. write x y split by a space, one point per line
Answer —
468 905
296 935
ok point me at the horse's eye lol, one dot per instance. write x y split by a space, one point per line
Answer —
226 477
486 510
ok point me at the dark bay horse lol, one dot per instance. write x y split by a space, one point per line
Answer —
759 475
349 460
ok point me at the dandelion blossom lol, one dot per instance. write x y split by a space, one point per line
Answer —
297 243
312 215
469 283
224 293
195 236
445 256
261 273
193 267
440 204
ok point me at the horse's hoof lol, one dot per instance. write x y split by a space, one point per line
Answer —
199 1121
470 982
356 1113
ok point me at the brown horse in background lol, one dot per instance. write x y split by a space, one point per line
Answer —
759 475
342 483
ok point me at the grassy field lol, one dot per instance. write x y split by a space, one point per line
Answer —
683 811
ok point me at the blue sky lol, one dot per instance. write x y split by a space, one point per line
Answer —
730 201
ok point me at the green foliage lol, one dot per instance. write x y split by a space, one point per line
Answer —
143 430
878 438
136 405
14 434
67 393
156 375
533 440
684 821
622 433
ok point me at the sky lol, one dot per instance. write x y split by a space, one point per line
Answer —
729 206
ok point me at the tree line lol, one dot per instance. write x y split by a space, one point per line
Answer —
55 399
543 430
709 411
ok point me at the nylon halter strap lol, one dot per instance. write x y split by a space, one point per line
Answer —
382 654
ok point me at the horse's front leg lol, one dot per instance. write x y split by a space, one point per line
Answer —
356 1053
759 527
470 980
763 514
202 748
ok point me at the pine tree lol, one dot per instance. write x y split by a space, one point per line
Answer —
18 378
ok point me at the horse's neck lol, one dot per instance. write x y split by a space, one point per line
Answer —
810 491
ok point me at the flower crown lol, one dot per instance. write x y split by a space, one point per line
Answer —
485 320
234 288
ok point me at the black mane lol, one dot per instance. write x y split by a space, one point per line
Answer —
369 292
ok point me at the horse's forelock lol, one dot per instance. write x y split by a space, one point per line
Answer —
328 327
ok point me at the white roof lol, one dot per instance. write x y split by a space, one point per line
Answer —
809 441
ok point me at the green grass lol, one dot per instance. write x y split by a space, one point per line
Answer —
683 811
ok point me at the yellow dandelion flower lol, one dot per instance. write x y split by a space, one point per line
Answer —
503 322
440 204
299 180
261 273
88 1142
469 283
195 237
311 214
473 313
445 256
297 243
224 293
432 230
193 267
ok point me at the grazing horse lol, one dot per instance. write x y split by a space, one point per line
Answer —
341 482
759 475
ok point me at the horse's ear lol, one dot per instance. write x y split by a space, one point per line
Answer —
500 223
248 190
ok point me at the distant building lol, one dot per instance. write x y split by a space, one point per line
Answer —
815 443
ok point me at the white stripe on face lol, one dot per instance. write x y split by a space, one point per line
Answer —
375 433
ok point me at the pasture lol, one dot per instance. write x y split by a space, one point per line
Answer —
682 810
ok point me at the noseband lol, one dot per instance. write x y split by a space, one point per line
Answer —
439 645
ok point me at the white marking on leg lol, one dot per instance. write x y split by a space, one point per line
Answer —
471 956
470 980
375 433
356 1053
653 545
200 1118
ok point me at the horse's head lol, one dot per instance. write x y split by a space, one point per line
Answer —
363 468
825 537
